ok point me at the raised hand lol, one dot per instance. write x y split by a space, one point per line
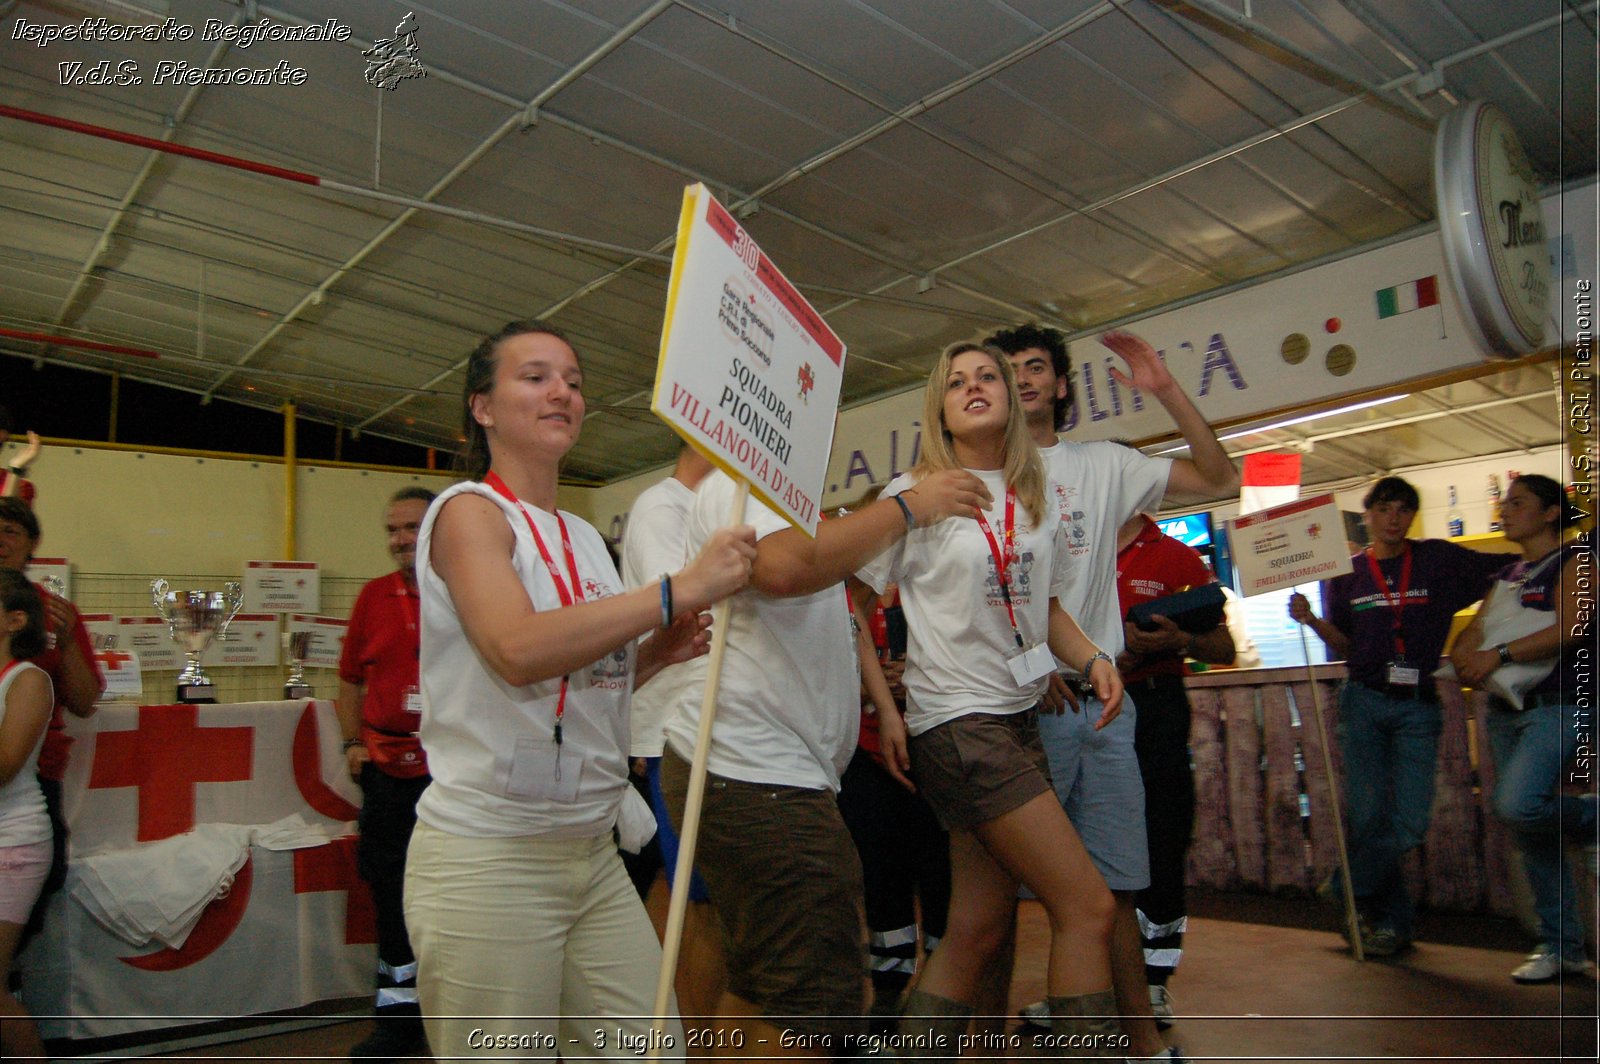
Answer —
1146 371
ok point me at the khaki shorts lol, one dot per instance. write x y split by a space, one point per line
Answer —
786 883
980 766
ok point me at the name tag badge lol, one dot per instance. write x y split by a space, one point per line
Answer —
541 768
413 702
1403 675
1031 665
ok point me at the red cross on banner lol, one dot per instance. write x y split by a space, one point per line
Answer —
165 756
113 659
333 867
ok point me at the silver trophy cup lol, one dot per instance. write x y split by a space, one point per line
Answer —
194 619
299 646
57 587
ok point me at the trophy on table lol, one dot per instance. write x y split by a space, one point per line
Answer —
194 619
57 587
299 647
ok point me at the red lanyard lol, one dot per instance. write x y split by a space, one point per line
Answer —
575 594
1003 559
1397 601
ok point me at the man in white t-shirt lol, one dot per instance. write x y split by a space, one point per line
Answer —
655 541
1099 486
780 864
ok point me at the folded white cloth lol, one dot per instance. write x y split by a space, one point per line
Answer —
298 832
157 891
636 823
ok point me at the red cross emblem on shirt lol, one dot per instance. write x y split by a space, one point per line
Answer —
165 756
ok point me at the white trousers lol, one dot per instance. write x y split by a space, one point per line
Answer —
531 947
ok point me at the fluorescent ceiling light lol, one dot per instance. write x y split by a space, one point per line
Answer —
1302 419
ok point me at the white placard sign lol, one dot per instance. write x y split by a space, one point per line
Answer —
252 639
749 372
327 638
281 587
124 678
40 569
1284 546
103 628
147 637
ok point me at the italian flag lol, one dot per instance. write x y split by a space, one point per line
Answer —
1403 298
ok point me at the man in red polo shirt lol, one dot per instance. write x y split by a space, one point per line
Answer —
380 710
69 659
1151 565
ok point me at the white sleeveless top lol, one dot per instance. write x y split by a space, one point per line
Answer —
22 816
489 743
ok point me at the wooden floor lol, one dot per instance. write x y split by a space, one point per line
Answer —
1263 980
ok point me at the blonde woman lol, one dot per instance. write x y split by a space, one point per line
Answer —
980 598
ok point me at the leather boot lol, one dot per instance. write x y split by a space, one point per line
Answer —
1086 1026
932 1026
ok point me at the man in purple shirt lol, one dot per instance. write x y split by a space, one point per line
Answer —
1389 619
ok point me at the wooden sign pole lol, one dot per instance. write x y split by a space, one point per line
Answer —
1352 919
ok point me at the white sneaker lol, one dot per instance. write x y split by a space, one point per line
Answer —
1036 1015
1544 964
1161 1006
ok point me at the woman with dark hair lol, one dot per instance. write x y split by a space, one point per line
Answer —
525 925
980 598
1533 743
25 851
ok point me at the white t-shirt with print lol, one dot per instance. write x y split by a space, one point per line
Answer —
1096 488
489 743
788 711
656 542
960 635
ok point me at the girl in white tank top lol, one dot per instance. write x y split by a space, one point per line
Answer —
26 699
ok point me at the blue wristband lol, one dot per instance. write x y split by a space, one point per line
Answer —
666 600
905 508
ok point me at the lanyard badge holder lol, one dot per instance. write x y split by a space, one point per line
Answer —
1401 676
1030 663
531 752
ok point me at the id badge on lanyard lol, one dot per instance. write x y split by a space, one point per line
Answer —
1402 675
1030 663
1399 672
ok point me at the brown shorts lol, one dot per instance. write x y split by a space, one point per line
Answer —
785 879
980 766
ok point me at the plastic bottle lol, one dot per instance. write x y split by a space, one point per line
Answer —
1453 521
1494 503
